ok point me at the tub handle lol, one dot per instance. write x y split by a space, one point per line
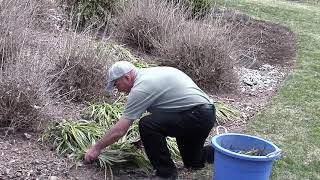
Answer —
221 127
274 153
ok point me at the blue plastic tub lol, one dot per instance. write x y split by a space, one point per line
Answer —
229 165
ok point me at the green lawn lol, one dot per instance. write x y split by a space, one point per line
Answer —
292 119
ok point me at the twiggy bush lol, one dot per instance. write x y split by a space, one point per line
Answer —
203 50
24 101
9 47
23 93
17 109
12 24
79 73
18 18
145 23
21 14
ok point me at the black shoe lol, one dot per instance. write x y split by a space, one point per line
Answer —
208 154
155 177
161 178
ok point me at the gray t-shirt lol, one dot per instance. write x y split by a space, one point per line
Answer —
164 89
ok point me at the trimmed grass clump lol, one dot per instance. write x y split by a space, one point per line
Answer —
19 20
76 81
203 50
36 14
79 73
24 100
12 25
144 24
18 106
9 47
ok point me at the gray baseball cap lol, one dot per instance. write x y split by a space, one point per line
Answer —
116 71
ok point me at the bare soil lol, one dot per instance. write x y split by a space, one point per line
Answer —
22 157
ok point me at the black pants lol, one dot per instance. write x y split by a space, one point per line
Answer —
190 128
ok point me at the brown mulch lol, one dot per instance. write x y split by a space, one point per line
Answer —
22 157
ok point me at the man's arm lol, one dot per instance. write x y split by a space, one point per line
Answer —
112 136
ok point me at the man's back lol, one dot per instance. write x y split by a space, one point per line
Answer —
163 89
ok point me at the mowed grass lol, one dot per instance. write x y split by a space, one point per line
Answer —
292 118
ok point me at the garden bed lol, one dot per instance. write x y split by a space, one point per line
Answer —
21 156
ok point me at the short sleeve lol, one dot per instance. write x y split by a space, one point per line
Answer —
137 104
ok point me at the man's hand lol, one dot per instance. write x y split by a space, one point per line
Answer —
113 135
92 154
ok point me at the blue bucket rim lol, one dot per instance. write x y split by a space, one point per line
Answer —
243 156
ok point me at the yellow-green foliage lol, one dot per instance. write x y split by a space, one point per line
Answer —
76 137
225 113
120 53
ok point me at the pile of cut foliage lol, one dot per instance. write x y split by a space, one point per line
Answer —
76 137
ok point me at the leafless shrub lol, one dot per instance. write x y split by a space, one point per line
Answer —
48 72
145 23
17 110
203 49
206 48
27 53
79 73
19 18
10 28
23 97
9 47
20 14
39 67
22 82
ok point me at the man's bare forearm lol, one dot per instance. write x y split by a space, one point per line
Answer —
109 138
115 133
